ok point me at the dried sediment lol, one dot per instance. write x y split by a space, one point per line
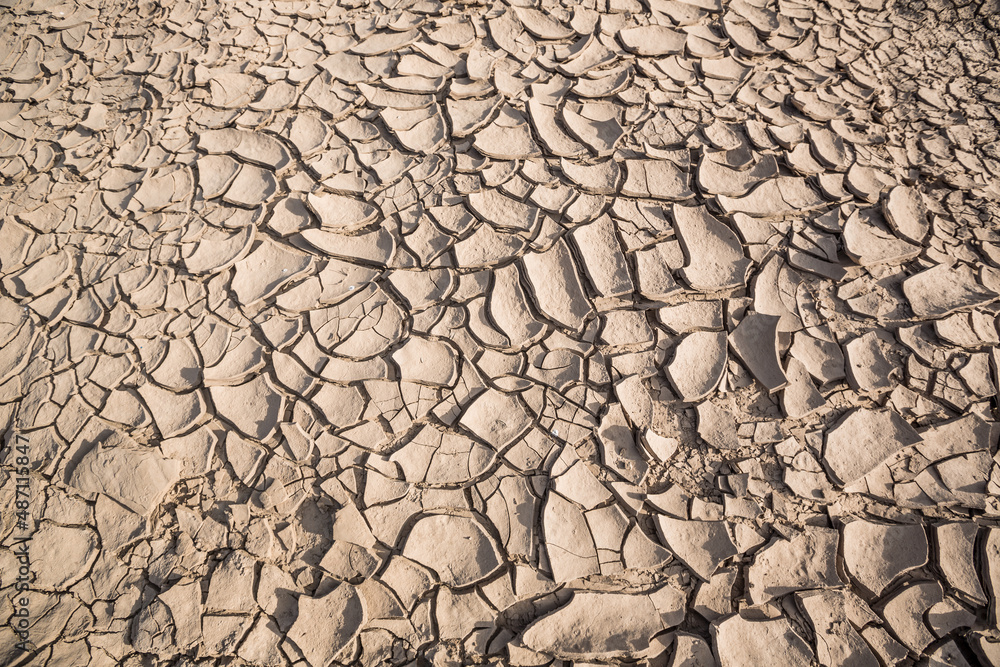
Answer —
429 333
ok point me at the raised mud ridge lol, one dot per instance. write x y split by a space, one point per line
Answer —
658 333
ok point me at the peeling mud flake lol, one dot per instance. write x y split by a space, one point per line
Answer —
739 641
943 289
862 439
456 547
755 341
698 365
327 624
715 255
605 626
134 477
701 545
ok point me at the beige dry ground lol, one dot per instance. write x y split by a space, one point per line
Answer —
644 332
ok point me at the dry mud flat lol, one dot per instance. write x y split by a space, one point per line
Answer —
423 333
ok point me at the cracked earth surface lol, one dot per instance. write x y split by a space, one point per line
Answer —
440 333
